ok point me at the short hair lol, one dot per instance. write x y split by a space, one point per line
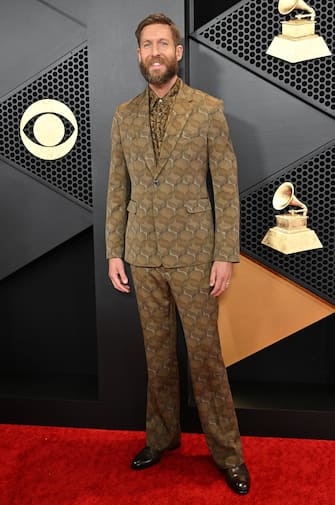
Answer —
158 19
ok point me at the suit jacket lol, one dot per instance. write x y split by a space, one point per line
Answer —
160 213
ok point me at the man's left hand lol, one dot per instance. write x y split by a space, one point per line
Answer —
221 275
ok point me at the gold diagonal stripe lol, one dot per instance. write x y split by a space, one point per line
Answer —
260 308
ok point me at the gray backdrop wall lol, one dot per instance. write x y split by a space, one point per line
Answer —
72 349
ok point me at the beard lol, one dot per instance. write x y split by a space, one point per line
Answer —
159 77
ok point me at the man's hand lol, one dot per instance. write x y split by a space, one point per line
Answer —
117 275
221 275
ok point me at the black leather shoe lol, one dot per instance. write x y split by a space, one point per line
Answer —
145 458
148 457
238 478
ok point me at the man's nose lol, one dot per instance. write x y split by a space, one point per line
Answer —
155 49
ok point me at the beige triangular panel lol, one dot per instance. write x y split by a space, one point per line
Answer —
260 308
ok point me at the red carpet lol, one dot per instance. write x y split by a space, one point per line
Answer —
69 466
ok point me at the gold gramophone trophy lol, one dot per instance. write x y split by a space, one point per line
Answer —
298 41
291 234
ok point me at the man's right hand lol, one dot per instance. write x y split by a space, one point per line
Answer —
117 275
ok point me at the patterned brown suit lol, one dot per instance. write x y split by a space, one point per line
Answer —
159 219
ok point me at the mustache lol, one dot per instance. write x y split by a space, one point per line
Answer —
156 59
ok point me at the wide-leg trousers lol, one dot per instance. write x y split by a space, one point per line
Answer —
159 291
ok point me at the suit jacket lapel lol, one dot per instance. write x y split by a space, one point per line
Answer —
145 139
178 117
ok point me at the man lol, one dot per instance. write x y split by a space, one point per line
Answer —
160 220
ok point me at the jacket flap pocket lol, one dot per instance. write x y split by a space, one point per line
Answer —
200 205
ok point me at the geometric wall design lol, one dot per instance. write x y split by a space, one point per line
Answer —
52 207
313 179
273 295
244 32
260 308
68 83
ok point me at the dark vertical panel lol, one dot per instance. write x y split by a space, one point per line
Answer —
276 132
205 11
47 272
115 78
48 325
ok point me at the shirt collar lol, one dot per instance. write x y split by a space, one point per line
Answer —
153 98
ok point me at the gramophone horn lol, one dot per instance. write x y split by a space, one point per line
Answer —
284 196
287 6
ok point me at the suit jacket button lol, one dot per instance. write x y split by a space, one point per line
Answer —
156 182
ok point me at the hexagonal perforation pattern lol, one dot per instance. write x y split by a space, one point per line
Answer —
245 32
313 179
67 82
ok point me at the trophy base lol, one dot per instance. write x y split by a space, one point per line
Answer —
291 241
295 49
291 222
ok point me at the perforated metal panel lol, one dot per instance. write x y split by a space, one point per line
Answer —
67 82
245 32
313 179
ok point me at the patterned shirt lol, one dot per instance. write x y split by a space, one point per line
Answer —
159 110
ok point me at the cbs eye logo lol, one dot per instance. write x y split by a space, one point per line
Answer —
55 129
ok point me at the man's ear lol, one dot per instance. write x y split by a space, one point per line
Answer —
139 54
179 52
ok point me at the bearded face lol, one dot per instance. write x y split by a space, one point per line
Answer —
159 69
158 54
